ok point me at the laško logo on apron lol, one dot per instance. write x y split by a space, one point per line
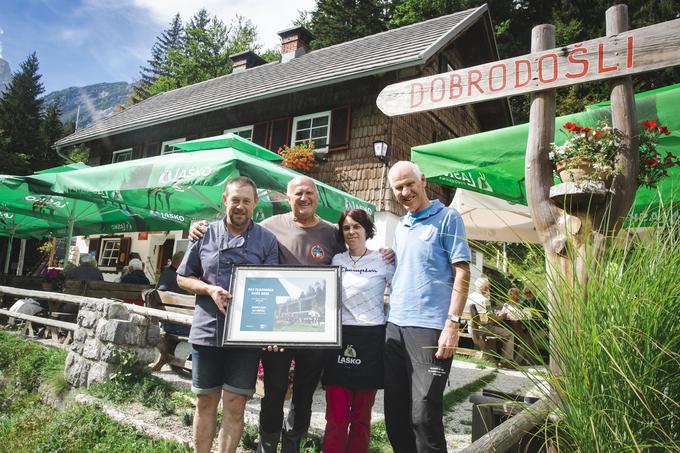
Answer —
349 357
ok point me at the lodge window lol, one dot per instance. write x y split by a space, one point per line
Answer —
243 131
108 257
168 148
121 155
314 127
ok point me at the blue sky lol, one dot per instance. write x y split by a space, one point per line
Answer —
81 42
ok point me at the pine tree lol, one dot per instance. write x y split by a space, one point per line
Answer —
170 40
52 130
20 119
205 52
337 21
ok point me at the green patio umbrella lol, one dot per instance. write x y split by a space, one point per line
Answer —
34 212
492 162
189 184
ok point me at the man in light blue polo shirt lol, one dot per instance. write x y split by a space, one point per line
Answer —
218 373
429 290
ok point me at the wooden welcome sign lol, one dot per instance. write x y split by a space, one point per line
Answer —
640 50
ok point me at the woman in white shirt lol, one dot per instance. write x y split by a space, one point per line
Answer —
353 375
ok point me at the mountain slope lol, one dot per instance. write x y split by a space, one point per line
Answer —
5 74
96 101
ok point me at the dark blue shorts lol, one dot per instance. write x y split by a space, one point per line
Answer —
215 369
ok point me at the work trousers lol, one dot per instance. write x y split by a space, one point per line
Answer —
308 366
348 419
414 389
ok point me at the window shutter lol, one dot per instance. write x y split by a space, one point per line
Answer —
260 134
123 253
152 149
94 247
137 151
279 134
339 134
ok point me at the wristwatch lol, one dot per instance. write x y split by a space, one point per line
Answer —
453 318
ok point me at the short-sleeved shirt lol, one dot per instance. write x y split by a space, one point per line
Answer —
363 288
314 245
426 245
211 259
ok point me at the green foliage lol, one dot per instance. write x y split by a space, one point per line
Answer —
337 21
616 342
79 153
249 437
77 429
199 51
134 383
20 119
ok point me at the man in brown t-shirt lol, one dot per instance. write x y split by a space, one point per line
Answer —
304 239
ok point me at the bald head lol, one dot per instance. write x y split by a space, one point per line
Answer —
408 186
299 180
404 167
303 198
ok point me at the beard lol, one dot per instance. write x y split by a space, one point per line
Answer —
238 219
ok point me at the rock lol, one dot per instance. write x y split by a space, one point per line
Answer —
91 349
100 371
80 335
139 320
116 310
87 319
76 370
146 355
153 335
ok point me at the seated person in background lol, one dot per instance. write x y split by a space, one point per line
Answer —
488 320
85 271
480 299
168 282
136 274
513 310
168 278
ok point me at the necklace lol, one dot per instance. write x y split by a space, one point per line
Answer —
355 261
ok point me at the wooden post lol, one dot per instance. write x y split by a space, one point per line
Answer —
624 119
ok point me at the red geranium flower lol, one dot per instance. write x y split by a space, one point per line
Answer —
649 124
570 126
587 130
664 130
599 134
651 162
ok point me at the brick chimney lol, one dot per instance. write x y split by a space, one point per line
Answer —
294 43
246 60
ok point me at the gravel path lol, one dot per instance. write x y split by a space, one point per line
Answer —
457 421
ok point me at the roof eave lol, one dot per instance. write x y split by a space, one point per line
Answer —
395 67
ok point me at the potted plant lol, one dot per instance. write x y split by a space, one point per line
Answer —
299 157
590 153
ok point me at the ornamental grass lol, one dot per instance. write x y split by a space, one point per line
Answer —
618 348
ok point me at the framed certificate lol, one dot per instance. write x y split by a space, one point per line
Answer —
290 306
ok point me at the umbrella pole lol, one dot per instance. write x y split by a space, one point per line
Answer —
69 233
9 253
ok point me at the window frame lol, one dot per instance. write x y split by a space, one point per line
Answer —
120 152
237 130
170 143
102 248
312 116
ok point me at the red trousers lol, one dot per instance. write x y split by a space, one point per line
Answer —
348 420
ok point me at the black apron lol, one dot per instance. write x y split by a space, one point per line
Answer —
359 364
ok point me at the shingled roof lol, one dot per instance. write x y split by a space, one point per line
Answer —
403 47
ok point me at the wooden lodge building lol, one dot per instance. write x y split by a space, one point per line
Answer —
328 95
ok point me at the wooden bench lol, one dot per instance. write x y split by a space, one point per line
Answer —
52 326
127 292
485 343
176 303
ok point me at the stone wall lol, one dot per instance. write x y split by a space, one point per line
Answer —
103 328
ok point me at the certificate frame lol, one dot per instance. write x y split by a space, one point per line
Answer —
289 306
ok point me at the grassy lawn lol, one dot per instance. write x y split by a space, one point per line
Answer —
27 425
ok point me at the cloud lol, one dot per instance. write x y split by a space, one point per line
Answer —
270 16
74 36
